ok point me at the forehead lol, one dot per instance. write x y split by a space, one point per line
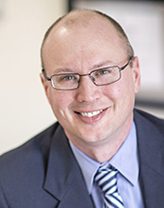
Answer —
84 20
79 36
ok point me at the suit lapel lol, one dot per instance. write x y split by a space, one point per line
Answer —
64 179
151 160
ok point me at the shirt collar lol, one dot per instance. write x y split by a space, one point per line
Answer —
88 166
125 160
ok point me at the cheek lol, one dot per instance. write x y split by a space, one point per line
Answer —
128 81
113 91
128 92
122 92
60 102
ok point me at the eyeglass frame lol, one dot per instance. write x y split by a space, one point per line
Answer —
89 74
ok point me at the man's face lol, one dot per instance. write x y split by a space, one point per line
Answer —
91 115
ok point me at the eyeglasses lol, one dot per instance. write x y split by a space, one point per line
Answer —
100 77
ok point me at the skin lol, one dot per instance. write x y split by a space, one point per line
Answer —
87 43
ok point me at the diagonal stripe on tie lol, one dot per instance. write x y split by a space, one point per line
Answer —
106 178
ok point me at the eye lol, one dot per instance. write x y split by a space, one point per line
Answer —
68 77
103 72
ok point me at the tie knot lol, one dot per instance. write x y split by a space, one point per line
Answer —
106 178
107 168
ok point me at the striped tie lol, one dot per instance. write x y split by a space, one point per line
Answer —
106 178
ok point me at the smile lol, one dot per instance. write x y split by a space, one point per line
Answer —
91 114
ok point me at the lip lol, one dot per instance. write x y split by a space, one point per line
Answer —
91 117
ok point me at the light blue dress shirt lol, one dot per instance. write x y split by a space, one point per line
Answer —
126 162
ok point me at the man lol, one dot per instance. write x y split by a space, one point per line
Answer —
90 77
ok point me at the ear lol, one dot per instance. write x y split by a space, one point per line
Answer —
45 85
136 74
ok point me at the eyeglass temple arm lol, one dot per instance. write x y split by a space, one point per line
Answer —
47 78
122 68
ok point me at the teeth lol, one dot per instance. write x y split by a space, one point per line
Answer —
90 114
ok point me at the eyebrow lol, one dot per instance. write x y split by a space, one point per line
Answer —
102 64
62 70
95 66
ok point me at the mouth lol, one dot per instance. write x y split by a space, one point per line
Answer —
91 117
90 114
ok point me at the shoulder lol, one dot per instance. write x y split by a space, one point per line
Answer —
146 119
34 150
22 172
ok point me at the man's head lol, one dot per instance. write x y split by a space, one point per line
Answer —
81 42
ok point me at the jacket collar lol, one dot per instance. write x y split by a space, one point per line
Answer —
151 160
64 179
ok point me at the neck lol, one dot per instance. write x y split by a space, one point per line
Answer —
103 152
104 149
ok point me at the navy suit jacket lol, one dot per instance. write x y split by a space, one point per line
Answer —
43 172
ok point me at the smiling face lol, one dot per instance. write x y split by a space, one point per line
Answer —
90 115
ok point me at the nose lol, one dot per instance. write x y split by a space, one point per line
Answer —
87 90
